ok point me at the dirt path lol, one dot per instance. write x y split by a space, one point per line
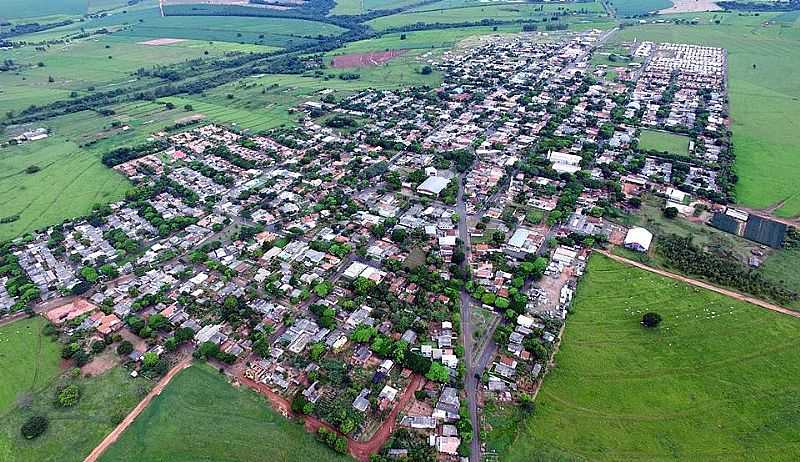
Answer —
360 450
128 420
705 285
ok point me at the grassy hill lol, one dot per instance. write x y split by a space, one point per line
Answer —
715 382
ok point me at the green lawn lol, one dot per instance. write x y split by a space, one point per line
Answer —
625 8
28 359
764 110
200 416
72 432
664 141
447 15
715 382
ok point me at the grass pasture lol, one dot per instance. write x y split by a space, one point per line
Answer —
626 8
353 7
664 141
25 9
476 12
28 359
200 416
763 100
715 382
72 432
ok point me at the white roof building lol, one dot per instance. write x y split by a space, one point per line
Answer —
433 185
638 239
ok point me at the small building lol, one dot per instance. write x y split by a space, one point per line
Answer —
433 185
638 239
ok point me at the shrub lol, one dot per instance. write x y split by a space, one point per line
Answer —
651 319
69 396
34 426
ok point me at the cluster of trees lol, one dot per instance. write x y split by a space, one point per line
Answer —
127 153
223 152
681 253
215 175
211 350
333 440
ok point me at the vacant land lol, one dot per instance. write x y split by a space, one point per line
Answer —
28 359
365 59
714 382
73 432
472 13
663 141
781 268
200 416
763 89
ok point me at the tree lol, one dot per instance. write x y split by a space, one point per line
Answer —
670 212
426 70
89 274
149 359
651 319
108 270
34 426
124 348
438 373
69 396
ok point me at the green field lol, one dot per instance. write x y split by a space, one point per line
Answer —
28 359
446 15
22 9
715 382
73 432
625 8
764 110
664 141
200 416
70 181
781 268
353 7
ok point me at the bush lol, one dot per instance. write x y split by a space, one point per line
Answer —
124 348
34 426
651 319
69 396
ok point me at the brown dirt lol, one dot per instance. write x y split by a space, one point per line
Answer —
365 59
162 42
100 363
128 420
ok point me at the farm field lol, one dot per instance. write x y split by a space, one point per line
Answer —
198 397
79 65
70 181
24 9
763 109
353 7
663 141
625 8
73 432
521 12
28 359
714 382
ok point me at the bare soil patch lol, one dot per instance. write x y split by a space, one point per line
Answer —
365 59
690 6
161 42
70 310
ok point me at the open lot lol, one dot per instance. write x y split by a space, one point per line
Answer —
663 141
763 100
28 360
200 416
714 382
73 432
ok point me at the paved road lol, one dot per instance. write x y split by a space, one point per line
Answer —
705 285
128 420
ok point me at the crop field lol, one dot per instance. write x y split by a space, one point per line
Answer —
23 9
79 65
73 432
764 110
663 141
625 8
186 419
516 11
70 181
28 359
353 7
714 382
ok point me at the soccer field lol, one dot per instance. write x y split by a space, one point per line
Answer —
715 382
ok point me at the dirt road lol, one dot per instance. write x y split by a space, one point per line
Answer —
128 420
360 450
705 285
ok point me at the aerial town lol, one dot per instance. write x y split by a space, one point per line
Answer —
403 257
